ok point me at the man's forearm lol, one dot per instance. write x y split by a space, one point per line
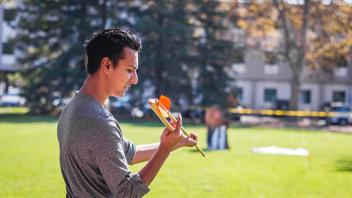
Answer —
144 152
150 170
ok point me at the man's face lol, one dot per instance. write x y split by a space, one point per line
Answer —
124 74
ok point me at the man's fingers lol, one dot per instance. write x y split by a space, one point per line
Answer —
191 142
173 123
178 123
194 136
166 132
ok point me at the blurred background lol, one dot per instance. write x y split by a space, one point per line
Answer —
279 55
279 63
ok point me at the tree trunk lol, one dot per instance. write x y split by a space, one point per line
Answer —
298 63
295 91
297 44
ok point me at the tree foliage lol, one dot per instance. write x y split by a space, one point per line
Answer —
313 33
50 45
215 50
166 33
331 45
184 40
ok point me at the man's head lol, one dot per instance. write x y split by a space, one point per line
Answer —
109 43
113 55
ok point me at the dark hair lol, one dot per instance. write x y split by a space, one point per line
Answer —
109 43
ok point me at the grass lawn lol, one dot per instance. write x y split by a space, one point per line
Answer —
29 165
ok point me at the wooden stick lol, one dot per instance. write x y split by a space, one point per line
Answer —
154 107
163 120
183 129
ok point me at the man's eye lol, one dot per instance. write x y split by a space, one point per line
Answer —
129 71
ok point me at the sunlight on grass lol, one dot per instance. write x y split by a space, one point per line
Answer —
11 110
29 163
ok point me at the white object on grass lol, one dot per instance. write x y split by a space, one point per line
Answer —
280 151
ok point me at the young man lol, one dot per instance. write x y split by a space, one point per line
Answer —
94 154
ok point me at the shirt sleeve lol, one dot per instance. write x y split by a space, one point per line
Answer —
129 149
110 151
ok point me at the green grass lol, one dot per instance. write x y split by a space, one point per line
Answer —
17 110
29 165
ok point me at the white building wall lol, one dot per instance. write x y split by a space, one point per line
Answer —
253 93
7 61
247 92
1 31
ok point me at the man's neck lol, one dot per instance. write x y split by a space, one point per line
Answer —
92 87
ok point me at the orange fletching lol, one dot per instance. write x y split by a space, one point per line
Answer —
164 100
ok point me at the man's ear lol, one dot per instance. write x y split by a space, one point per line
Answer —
106 65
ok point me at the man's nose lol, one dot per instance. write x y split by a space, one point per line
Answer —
134 78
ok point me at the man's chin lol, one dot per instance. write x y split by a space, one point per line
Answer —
120 94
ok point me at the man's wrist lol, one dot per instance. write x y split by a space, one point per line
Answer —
163 151
177 146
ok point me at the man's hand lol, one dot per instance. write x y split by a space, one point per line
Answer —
185 141
170 141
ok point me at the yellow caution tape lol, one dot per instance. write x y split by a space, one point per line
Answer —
271 112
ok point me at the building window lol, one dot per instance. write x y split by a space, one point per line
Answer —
339 96
341 69
9 14
271 69
8 47
305 97
239 94
341 61
270 95
341 72
270 58
239 68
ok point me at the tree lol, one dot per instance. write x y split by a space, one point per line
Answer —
214 50
295 21
332 42
50 48
166 34
51 51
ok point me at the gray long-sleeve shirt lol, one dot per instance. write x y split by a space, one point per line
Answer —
94 155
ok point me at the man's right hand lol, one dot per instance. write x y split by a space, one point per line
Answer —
169 139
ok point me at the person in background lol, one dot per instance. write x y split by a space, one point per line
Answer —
217 129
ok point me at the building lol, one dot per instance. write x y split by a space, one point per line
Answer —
261 84
7 58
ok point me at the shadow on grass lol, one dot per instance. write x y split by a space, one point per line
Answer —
344 165
25 118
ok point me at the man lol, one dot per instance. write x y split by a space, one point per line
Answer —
94 154
217 129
